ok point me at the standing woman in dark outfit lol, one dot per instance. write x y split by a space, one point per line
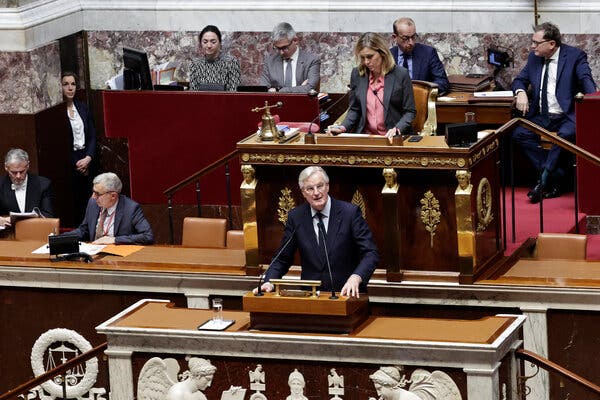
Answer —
83 149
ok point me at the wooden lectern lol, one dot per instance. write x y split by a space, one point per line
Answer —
302 311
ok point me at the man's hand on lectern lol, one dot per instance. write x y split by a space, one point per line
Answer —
265 287
351 288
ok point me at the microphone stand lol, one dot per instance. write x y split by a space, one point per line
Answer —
259 291
333 295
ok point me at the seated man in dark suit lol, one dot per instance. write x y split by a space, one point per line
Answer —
347 240
111 217
290 69
555 72
421 61
21 191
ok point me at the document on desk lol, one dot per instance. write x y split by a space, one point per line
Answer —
499 93
122 250
88 248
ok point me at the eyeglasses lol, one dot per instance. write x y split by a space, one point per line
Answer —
312 189
98 194
536 43
282 48
408 38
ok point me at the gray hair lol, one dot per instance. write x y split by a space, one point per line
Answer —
283 31
110 181
16 156
403 21
308 172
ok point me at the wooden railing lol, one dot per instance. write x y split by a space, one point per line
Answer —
195 177
60 370
550 366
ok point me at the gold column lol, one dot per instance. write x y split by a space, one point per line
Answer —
248 203
392 243
465 228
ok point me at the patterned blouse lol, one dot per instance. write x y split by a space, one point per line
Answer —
223 70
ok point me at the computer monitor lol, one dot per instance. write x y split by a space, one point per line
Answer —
136 71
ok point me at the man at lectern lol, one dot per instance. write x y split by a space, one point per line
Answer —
111 217
335 243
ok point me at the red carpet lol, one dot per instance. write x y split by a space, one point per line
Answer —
559 216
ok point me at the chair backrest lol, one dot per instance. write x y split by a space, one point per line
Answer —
204 232
561 246
425 93
235 239
36 229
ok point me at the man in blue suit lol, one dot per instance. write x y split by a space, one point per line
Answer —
111 217
346 237
555 72
421 61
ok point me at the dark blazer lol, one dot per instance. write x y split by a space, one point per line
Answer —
89 129
398 101
426 66
349 243
130 226
307 67
39 194
573 75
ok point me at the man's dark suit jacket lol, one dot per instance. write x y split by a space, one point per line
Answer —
130 225
308 68
349 243
89 130
398 101
426 66
573 75
39 194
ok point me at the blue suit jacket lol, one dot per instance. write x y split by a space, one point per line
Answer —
426 66
398 101
350 246
130 226
37 195
89 129
308 68
573 76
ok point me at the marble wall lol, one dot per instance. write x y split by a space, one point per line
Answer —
460 52
30 81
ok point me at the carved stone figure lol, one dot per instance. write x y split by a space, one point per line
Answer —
296 383
158 379
389 383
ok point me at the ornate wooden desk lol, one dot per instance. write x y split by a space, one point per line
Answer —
433 210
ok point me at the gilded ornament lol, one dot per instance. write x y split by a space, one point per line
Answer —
280 158
245 157
359 201
424 161
286 204
484 205
461 162
430 214
315 159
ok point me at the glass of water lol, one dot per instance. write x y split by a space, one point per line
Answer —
217 305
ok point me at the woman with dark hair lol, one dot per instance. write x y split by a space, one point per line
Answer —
214 67
83 150
381 96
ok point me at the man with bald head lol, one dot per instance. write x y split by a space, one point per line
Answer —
421 61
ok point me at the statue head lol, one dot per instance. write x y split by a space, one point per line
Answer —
248 173
390 175
296 382
386 381
201 372
464 178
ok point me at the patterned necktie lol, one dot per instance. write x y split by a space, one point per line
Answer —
544 110
287 81
100 226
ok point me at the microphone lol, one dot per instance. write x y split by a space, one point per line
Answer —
333 295
335 103
285 245
375 92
